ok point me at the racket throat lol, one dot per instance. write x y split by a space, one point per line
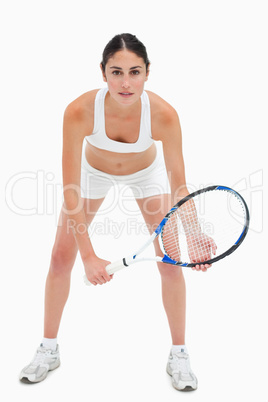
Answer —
127 261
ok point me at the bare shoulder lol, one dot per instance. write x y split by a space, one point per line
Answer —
81 110
164 118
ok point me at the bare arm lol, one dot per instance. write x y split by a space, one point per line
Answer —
73 136
168 130
171 137
76 126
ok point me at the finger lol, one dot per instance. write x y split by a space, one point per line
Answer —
206 267
93 281
100 280
213 247
106 277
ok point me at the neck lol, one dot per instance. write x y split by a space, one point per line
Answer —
118 108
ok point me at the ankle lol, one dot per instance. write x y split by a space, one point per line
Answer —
49 343
178 349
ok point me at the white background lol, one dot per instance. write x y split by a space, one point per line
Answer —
209 60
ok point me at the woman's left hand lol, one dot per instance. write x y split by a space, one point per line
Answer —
200 247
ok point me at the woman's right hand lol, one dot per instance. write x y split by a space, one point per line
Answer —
95 269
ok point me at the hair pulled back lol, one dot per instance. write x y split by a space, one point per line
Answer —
124 41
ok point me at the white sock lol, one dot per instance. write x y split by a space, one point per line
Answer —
50 343
178 349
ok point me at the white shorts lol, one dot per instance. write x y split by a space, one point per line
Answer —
147 182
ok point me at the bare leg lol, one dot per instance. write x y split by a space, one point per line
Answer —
173 284
59 276
174 301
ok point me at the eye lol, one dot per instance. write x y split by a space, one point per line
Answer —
116 72
135 72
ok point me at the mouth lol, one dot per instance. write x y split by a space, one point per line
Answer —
126 94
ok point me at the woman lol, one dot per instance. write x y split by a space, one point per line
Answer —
116 127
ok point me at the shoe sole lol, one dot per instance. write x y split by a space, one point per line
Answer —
26 380
187 388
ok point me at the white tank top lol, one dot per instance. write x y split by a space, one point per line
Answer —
99 137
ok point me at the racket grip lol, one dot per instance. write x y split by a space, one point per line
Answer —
110 268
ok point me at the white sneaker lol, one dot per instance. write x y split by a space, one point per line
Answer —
44 361
178 367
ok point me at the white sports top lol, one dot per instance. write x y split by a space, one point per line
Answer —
99 137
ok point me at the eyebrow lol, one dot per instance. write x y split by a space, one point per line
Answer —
131 68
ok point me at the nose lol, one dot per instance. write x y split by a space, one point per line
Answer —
125 83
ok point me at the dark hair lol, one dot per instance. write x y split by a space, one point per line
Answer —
124 41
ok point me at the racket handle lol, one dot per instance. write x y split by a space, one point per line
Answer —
110 268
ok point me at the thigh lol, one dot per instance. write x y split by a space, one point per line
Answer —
65 244
153 210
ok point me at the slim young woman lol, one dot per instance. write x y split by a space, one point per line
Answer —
109 137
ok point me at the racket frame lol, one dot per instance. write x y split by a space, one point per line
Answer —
242 236
127 261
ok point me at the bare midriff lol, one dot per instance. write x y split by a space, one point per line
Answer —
119 163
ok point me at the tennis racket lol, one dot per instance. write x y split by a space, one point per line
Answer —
202 228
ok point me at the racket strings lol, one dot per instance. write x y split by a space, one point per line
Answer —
203 227
171 237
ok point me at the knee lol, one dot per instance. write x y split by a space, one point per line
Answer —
170 272
61 261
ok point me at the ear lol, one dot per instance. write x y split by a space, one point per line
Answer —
148 72
103 74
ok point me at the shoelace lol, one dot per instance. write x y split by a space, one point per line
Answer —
182 361
40 356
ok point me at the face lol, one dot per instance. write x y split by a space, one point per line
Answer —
125 74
